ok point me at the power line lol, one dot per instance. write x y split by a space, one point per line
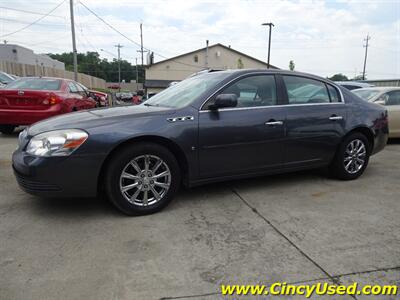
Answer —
34 22
132 41
23 22
30 12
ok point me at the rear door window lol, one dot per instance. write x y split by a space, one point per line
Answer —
333 93
301 90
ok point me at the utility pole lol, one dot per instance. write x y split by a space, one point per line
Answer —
269 40
119 66
75 56
141 43
137 76
206 60
366 53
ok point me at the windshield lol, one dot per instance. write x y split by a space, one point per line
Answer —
35 84
4 78
186 91
366 94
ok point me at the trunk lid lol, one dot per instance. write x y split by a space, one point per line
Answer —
24 99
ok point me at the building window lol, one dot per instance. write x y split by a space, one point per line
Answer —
196 58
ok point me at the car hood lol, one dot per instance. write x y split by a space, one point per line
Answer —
97 117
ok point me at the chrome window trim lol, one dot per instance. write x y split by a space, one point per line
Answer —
269 106
281 105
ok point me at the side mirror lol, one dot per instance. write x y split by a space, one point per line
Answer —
224 100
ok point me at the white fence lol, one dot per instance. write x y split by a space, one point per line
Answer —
32 70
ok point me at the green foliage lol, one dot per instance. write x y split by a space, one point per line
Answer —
240 64
91 64
359 77
291 65
339 77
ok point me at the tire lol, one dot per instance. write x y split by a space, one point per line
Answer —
7 129
159 190
350 164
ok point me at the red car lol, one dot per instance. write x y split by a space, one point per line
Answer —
100 97
28 100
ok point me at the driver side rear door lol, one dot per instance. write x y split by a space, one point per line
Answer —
315 121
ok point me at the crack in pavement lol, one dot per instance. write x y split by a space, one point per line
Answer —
334 278
284 236
368 271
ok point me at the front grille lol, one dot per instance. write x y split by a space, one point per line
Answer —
35 186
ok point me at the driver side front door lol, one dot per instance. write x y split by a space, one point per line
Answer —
243 139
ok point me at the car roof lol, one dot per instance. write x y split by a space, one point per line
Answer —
237 72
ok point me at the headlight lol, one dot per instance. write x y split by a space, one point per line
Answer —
56 143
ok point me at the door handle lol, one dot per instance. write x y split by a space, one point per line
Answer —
274 123
334 118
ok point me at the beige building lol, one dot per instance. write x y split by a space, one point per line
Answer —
219 57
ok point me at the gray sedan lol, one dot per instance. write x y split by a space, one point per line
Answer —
211 127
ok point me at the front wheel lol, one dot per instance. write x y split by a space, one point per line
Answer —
7 129
352 157
142 178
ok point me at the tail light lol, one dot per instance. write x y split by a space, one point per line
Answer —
53 99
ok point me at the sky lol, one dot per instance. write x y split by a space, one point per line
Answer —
321 37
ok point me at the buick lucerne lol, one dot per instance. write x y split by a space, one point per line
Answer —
211 127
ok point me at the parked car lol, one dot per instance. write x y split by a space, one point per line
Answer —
124 96
390 98
5 79
208 128
147 96
100 97
353 85
28 100
136 99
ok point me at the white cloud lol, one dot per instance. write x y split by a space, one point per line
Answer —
321 37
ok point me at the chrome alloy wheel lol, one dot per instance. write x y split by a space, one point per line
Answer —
145 180
355 156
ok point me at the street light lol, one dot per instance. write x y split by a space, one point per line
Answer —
269 40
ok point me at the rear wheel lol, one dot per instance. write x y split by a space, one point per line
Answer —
7 129
352 157
142 178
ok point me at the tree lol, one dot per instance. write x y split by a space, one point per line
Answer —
91 64
240 64
291 65
359 77
339 77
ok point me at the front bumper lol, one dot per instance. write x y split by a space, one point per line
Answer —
70 176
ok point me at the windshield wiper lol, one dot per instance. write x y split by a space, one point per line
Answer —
156 105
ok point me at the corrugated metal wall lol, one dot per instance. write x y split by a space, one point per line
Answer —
385 82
